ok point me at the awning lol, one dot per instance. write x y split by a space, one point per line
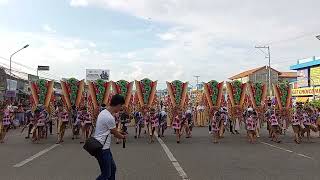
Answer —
302 99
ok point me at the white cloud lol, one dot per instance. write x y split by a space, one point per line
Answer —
92 44
4 2
48 28
77 3
216 39
167 36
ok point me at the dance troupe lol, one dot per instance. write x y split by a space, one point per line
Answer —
246 105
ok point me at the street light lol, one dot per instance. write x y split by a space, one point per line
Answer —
14 54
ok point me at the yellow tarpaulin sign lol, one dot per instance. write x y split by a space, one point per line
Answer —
302 99
305 91
315 75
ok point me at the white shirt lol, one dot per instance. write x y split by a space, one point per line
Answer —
105 122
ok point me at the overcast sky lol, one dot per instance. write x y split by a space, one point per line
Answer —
159 39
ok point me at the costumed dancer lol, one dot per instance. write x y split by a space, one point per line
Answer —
307 122
176 124
185 126
86 124
215 122
189 118
5 123
296 122
162 123
29 123
251 125
63 121
223 122
154 124
39 126
77 123
275 127
139 123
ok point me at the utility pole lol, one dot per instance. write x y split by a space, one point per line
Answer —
269 66
197 77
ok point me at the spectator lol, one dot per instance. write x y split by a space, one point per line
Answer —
106 126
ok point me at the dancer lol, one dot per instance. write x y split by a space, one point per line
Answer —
189 118
5 124
77 124
223 121
307 122
139 123
38 127
185 126
251 124
215 122
162 123
64 120
297 119
86 124
274 127
154 123
176 124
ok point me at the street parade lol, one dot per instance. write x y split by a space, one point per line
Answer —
159 90
223 109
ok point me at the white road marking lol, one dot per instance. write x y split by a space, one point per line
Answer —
287 150
24 162
173 160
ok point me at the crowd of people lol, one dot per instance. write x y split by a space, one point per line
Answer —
304 119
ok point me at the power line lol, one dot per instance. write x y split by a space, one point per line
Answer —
33 69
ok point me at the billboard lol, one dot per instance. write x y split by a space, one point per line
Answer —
303 77
94 74
11 85
315 75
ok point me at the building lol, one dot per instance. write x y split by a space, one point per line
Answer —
260 74
307 85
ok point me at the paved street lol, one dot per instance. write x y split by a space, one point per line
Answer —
195 159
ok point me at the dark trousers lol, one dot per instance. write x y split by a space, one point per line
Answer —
50 127
107 165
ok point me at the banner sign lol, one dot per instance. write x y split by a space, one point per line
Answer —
305 91
95 74
11 85
32 78
303 77
43 68
315 75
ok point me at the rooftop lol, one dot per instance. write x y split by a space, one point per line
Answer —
288 75
249 72
305 64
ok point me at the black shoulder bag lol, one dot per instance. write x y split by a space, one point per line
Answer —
93 146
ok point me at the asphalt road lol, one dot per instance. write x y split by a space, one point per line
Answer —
196 159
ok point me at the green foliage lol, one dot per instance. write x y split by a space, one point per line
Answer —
42 85
237 91
214 87
258 93
178 90
73 85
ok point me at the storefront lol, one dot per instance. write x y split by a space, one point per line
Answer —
307 86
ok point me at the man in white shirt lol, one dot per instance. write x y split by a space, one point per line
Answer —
106 126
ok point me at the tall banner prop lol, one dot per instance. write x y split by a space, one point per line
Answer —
99 92
283 95
236 96
146 91
72 90
214 92
258 94
124 88
42 92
